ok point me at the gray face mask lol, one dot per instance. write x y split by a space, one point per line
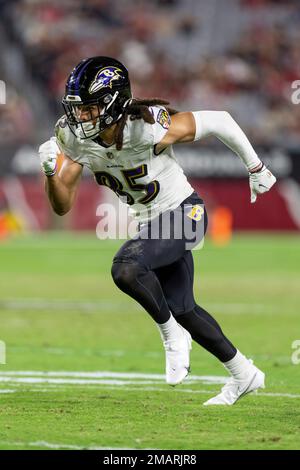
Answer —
87 130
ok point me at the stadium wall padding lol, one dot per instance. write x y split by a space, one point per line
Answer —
272 211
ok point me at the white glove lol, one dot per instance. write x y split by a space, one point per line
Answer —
48 153
260 182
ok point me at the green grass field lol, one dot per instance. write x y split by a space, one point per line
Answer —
63 321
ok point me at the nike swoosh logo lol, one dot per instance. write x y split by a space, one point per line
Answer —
249 385
263 186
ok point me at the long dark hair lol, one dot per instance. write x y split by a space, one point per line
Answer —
139 109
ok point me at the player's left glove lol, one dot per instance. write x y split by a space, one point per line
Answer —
260 182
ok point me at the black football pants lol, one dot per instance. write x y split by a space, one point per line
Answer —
156 268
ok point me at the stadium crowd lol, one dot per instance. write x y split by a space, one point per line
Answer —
251 77
16 119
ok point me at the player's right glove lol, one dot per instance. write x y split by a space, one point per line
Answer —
260 182
48 153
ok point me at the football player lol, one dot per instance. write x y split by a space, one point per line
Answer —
128 144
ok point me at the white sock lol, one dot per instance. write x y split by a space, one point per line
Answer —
169 330
238 366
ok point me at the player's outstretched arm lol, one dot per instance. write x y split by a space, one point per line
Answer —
190 126
61 187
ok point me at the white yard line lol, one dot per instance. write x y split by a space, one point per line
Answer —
271 394
55 380
153 389
30 380
109 374
41 380
50 445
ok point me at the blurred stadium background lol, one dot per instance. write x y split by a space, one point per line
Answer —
236 55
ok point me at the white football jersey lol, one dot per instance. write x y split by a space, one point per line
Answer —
150 184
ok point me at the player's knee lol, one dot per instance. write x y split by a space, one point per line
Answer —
119 272
124 274
183 315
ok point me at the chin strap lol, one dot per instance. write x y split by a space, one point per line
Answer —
111 101
125 105
127 102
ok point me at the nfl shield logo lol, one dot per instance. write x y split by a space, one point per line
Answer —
110 155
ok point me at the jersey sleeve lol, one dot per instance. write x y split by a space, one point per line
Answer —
161 125
144 135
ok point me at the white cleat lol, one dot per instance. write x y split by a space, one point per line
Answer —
178 357
235 389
